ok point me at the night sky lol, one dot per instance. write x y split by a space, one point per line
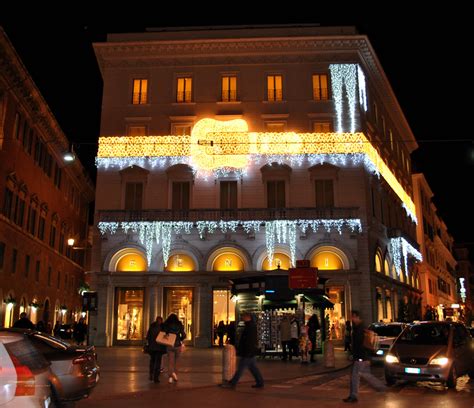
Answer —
422 57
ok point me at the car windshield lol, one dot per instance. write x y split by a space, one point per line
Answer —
387 331
429 334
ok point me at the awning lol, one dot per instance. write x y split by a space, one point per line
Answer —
321 301
279 304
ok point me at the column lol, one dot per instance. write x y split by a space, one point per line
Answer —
203 306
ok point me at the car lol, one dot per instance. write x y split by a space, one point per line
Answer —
431 351
386 333
25 375
75 367
64 331
471 330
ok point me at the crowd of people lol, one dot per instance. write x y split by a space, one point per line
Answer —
298 340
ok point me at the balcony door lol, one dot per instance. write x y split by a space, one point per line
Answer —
276 194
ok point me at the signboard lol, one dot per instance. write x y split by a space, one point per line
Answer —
303 278
89 301
302 263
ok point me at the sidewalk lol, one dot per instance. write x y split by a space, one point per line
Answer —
124 371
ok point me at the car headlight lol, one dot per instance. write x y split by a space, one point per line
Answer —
379 352
441 361
390 359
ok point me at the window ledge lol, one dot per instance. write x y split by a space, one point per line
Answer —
140 104
183 103
320 100
271 102
229 102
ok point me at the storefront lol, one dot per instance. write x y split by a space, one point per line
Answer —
129 306
223 310
179 300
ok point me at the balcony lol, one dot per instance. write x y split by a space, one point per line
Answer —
241 214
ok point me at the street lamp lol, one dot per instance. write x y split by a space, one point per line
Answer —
69 156
71 242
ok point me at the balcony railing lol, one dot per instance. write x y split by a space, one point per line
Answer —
241 214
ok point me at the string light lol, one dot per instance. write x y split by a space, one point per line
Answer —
399 249
277 231
362 88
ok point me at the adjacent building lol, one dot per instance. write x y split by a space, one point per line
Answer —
438 270
43 204
465 277
228 154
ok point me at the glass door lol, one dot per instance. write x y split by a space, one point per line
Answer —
129 316
180 302
223 313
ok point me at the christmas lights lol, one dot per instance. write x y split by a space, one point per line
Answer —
278 231
399 249
362 88
344 75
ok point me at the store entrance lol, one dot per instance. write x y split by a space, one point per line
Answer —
335 317
223 315
180 302
129 316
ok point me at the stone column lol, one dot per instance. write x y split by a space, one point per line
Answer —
203 325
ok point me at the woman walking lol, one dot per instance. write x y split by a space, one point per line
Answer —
155 349
174 326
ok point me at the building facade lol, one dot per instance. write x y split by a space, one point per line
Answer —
438 269
465 278
231 153
43 203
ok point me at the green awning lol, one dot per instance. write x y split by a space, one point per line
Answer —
278 304
321 301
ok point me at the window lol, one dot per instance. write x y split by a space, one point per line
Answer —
41 225
184 90
324 193
180 195
2 255
52 236
37 271
275 126
20 215
376 113
14 261
391 139
274 88
320 87
50 272
27 265
228 195
32 221
7 203
276 194
384 127
137 131
229 88
322 127
378 262
58 283
16 126
181 129
57 176
140 95
61 242
133 196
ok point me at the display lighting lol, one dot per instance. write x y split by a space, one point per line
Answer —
278 231
399 249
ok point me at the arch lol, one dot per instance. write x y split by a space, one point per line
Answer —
228 258
23 308
180 172
128 259
9 310
394 272
386 266
57 312
280 261
328 257
181 261
378 260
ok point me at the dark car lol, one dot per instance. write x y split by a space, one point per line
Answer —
75 367
64 331
431 351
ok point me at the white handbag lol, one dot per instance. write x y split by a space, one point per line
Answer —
166 339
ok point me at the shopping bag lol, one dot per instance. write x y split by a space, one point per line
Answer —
166 339
370 340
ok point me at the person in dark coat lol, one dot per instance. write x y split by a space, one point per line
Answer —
80 331
23 322
155 349
313 327
221 333
361 365
247 349
40 326
174 325
231 333
347 336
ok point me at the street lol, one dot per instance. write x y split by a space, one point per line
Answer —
287 385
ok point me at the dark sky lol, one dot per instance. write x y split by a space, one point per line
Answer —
423 58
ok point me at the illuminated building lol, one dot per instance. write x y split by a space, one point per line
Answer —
229 153
43 203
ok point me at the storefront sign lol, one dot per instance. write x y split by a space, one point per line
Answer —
303 278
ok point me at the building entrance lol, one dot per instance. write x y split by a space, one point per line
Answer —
129 316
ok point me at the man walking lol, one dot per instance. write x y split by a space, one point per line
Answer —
361 366
247 350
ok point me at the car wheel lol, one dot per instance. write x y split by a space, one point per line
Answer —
452 379
389 380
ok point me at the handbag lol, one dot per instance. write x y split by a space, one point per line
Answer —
370 341
166 339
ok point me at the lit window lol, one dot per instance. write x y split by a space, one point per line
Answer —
320 87
137 131
322 127
327 261
274 88
280 261
184 90
229 88
391 139
378 262
275 126
181 129
386 267
181 263
140 94
228 262
131 262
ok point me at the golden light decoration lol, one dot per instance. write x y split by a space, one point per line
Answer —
217 144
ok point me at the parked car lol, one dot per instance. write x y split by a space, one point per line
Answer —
75 367
386 333
64 331
25 375
431 351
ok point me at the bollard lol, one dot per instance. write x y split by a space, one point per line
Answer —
329 359
229 360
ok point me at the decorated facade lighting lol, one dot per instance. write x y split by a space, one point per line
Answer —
362 88
399 249
276 232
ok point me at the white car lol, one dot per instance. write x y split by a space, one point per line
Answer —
24 374
386 335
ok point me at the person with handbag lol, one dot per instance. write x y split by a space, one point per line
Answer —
173 328
154 349
361 365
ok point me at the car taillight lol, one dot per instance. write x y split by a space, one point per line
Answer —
82 359
25 384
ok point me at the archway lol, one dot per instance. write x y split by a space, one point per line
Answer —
327 258
280 261
128 260
181 262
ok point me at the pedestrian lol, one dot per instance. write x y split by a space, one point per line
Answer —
57 328
313 327
40 326
361 365
231 333
347 336
155 349
173 325
221 333
23 322
295 335
285 336
247 350
80 331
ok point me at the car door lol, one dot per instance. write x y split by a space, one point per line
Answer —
462 351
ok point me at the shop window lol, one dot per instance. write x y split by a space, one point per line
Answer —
223 310
280 261
180 263
131 262
180 302
9 310
129 319
327 260
228 262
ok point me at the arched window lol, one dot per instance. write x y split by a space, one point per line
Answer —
180 263
229 261
378 262
327 260
131 261
386 267
280 261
